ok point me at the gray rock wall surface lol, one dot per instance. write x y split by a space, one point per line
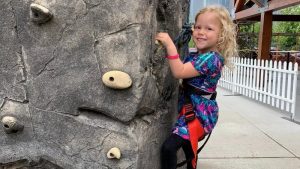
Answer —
53 54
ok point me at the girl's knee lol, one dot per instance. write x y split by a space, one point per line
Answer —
171 145
165 148
168 148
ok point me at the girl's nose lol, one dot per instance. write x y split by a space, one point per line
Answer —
200 31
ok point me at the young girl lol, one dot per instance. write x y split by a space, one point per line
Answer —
215 38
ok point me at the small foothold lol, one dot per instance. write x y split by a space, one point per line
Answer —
117 80
114 153
11 124
39 14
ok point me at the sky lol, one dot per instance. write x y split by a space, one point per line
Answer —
196 5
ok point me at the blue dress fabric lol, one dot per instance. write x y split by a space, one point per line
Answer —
209 65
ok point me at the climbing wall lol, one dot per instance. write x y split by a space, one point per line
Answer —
82 84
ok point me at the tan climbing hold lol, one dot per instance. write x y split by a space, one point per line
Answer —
114 153
39 13
157 42
117 80
8 121
40 8
11 124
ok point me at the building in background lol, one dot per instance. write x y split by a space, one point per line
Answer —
196 5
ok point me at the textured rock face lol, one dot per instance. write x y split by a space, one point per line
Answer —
53 55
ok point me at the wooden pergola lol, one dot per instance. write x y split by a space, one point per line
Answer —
262 10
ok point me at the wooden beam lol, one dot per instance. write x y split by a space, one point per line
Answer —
247 13
252 34
280 4
272 6
259 3
282 18
265 35
238 5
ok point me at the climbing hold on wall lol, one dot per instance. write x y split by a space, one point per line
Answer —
11 124
39 14
159 43
117 80
114 153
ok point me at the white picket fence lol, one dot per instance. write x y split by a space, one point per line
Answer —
269 82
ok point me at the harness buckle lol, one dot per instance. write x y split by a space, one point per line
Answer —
189 113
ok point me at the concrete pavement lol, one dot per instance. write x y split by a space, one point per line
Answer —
251 135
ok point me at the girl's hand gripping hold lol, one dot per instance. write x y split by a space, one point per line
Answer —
179 69
167 42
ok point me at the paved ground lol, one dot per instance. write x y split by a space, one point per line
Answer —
250 135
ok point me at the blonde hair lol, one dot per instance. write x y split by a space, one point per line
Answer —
227 45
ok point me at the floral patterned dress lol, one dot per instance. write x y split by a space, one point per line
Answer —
209 65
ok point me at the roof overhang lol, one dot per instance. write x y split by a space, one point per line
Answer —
260 6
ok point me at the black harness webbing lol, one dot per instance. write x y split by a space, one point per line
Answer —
198 151
190 115
190 89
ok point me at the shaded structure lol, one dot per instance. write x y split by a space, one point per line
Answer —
262 10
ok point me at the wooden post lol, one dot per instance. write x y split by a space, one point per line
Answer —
265 35
238 5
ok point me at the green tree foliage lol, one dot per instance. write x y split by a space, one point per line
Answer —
289 42
248 39
249 33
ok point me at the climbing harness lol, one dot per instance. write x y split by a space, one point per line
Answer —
195 127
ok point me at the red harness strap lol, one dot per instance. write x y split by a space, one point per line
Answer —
195 128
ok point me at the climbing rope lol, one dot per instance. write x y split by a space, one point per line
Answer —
184 37
182 40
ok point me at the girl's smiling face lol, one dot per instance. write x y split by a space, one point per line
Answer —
206 32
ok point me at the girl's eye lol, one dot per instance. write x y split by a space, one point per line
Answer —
197 27
210 29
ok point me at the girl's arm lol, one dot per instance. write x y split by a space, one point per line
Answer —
179 70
